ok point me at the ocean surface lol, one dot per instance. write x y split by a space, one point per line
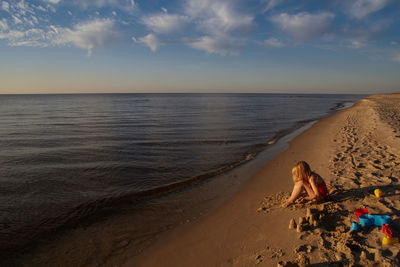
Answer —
64 157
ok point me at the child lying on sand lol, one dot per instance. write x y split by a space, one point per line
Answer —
305 179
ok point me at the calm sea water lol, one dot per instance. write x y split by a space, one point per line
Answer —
63 156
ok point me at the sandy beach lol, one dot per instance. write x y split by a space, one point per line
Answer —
356 151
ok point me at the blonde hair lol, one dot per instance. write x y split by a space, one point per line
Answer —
301 171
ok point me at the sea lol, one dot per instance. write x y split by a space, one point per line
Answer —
77 161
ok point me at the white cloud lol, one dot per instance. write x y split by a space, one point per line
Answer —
12 35
31 37
53 1
3 25
217 45
221 23
219 17
23 8
273 42
360 37
304 26
361 8
31 22
23 30
271 4
89 35
5 6
16 20
224 28
165 23
150 40
27 43
35 19
357 43
126 5
41 8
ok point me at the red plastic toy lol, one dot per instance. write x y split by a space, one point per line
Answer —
359 212
386 230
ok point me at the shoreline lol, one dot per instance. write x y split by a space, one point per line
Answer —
235 229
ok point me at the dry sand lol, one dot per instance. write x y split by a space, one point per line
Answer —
356 151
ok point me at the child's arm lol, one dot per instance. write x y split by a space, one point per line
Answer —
297 189
314 187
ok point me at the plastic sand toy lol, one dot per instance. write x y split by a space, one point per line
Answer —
373 220
378 193
386 230
389 240
359 212
355 226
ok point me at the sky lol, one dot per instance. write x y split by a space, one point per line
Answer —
202 46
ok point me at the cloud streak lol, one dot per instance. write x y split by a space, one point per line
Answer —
5 6
217 45
362 8
271 4
165 23
53 1
273 42
3 25
304 26
127 5
150 40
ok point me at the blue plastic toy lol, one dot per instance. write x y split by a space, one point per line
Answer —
373 220
355 226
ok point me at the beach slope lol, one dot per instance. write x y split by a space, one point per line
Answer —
356 151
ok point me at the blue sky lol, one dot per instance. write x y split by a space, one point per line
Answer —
277 46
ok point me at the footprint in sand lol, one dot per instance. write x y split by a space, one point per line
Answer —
303 249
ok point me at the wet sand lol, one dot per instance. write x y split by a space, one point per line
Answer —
356 151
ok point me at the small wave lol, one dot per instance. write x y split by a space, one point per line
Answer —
249 156
273 141
338 106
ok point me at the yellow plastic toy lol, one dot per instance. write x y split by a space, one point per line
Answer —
390 240
378 192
